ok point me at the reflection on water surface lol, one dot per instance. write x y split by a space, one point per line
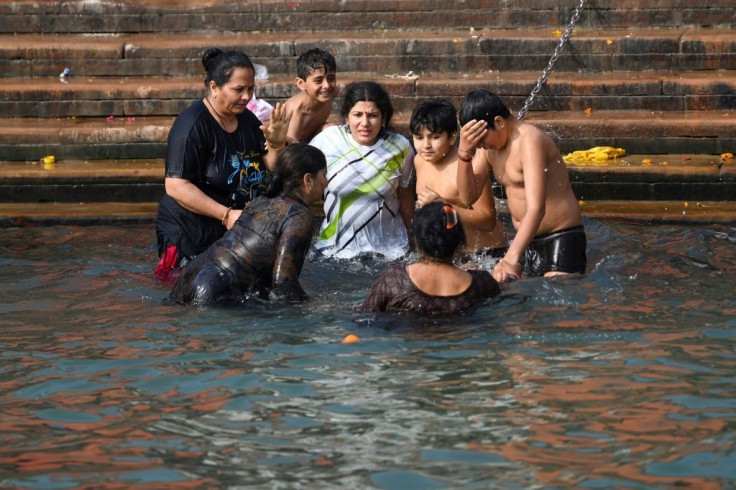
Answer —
623 378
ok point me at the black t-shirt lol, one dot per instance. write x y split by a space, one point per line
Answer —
226 166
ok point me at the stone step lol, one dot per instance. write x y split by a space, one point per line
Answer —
632 177
425 51
653 212
638 132
52 16
563 91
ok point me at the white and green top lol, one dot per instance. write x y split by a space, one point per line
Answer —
361 200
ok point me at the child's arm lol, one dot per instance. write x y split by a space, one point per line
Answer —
482 215
472 170
533 163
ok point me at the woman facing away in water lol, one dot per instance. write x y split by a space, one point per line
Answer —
432 286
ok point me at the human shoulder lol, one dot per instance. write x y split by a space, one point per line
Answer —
396 138
296 102
532 134
330 134
195 113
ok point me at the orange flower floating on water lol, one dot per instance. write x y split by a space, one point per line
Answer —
726 157
664 163
588 111
609 41
685 204
351 339
557 33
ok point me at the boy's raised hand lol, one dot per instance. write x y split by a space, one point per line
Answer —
470 135
278 126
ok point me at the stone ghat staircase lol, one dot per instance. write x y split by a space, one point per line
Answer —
657 80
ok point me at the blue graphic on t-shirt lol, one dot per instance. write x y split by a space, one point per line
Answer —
235 164
250 176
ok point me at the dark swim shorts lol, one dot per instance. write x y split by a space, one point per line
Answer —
561 251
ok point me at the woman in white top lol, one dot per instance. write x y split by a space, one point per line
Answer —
369 200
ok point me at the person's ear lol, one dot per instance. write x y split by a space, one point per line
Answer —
453 138
301 84
308 182
499 122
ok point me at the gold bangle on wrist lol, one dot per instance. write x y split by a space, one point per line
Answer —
271 147
224 218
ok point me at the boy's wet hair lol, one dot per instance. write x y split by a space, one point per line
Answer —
368 92
221 64
314 59
483 105
437 116
436 233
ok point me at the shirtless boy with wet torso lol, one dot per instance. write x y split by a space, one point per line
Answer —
544 210
312 106
434 128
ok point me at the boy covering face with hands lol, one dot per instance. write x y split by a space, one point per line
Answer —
550 239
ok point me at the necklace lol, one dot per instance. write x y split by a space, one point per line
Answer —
221 120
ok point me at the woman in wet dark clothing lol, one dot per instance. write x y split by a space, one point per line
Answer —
217 153
432 286
264 251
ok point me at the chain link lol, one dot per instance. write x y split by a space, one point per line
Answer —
558 50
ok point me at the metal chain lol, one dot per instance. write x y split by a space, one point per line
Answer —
552 60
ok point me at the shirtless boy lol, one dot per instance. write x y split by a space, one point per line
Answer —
310 108
550 238
433 126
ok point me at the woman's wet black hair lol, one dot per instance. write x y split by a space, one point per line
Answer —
368 92
294 162
437 116
220 65
437 230
482 105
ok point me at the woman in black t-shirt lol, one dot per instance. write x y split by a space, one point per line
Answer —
216 155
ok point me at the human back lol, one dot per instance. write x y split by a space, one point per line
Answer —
433 285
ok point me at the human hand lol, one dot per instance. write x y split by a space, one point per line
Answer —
426 196
506 271
275 132
470 135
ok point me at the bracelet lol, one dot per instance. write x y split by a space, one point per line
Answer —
224 218
464 159
271 147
